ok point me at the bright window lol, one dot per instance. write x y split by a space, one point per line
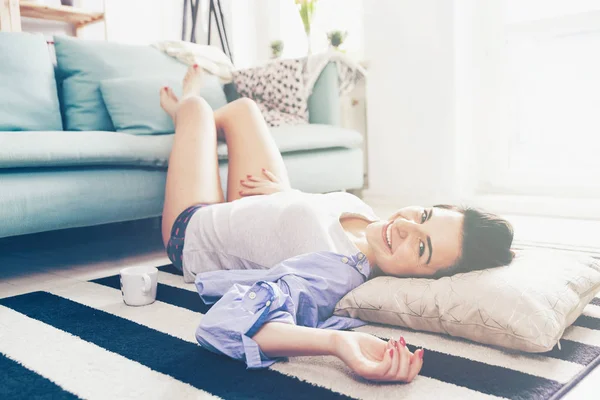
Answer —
537 126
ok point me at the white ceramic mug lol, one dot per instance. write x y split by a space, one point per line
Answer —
138 285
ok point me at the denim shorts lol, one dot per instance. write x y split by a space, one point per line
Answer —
175 245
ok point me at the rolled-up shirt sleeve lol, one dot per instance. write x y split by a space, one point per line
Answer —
228 327
301 290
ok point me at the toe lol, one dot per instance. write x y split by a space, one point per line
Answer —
189 72
165 96
172 95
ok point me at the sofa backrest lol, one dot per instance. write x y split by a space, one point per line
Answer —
89 87
83 65
29 99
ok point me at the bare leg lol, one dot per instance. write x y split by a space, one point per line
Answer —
193 173
249 144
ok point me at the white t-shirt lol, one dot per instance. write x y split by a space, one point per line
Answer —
261 231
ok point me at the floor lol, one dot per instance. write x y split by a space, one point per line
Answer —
63 258
60 258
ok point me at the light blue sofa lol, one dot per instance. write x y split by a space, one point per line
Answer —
77 146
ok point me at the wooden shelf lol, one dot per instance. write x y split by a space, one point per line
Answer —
72 15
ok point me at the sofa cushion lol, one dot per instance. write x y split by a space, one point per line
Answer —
46 149
134 103
297 138
41 199
83 64
29 101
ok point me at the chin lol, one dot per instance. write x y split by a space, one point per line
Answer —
384 270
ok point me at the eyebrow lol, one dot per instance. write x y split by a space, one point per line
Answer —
429 214
429 238
430 249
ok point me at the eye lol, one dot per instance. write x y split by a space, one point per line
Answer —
421 248
424 217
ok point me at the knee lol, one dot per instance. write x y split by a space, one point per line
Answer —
193 105
245 105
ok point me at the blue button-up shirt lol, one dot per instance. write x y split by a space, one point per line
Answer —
302 290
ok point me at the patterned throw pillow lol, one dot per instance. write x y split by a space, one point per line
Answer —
279 90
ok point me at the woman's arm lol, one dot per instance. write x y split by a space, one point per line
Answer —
367 355
285 340
262 322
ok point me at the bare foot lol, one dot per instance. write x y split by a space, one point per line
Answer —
192 82
168 101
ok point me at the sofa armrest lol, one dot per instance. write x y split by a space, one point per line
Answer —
324 106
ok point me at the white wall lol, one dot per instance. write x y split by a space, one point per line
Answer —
243 31
127 21
410 99
251 25
136 21
256 23
330 15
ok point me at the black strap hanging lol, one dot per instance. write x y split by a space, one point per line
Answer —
216 10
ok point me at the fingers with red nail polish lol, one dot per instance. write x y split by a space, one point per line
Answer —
402 341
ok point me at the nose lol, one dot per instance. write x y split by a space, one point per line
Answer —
403 226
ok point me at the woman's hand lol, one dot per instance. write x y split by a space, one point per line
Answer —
377 360
257 185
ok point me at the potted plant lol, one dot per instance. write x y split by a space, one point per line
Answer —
336 38
276 48
306 8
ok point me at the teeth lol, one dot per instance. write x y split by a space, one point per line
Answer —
388 234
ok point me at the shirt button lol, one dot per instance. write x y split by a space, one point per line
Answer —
252 295
345 260
360 267
268 303
361 256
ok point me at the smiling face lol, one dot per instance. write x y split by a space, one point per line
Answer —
416 241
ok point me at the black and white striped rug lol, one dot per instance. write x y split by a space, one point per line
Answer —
82 341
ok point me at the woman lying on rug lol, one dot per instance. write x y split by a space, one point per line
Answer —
275 266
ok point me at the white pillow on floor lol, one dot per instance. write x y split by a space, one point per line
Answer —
525 306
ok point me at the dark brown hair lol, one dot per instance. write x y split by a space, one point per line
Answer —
486 241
